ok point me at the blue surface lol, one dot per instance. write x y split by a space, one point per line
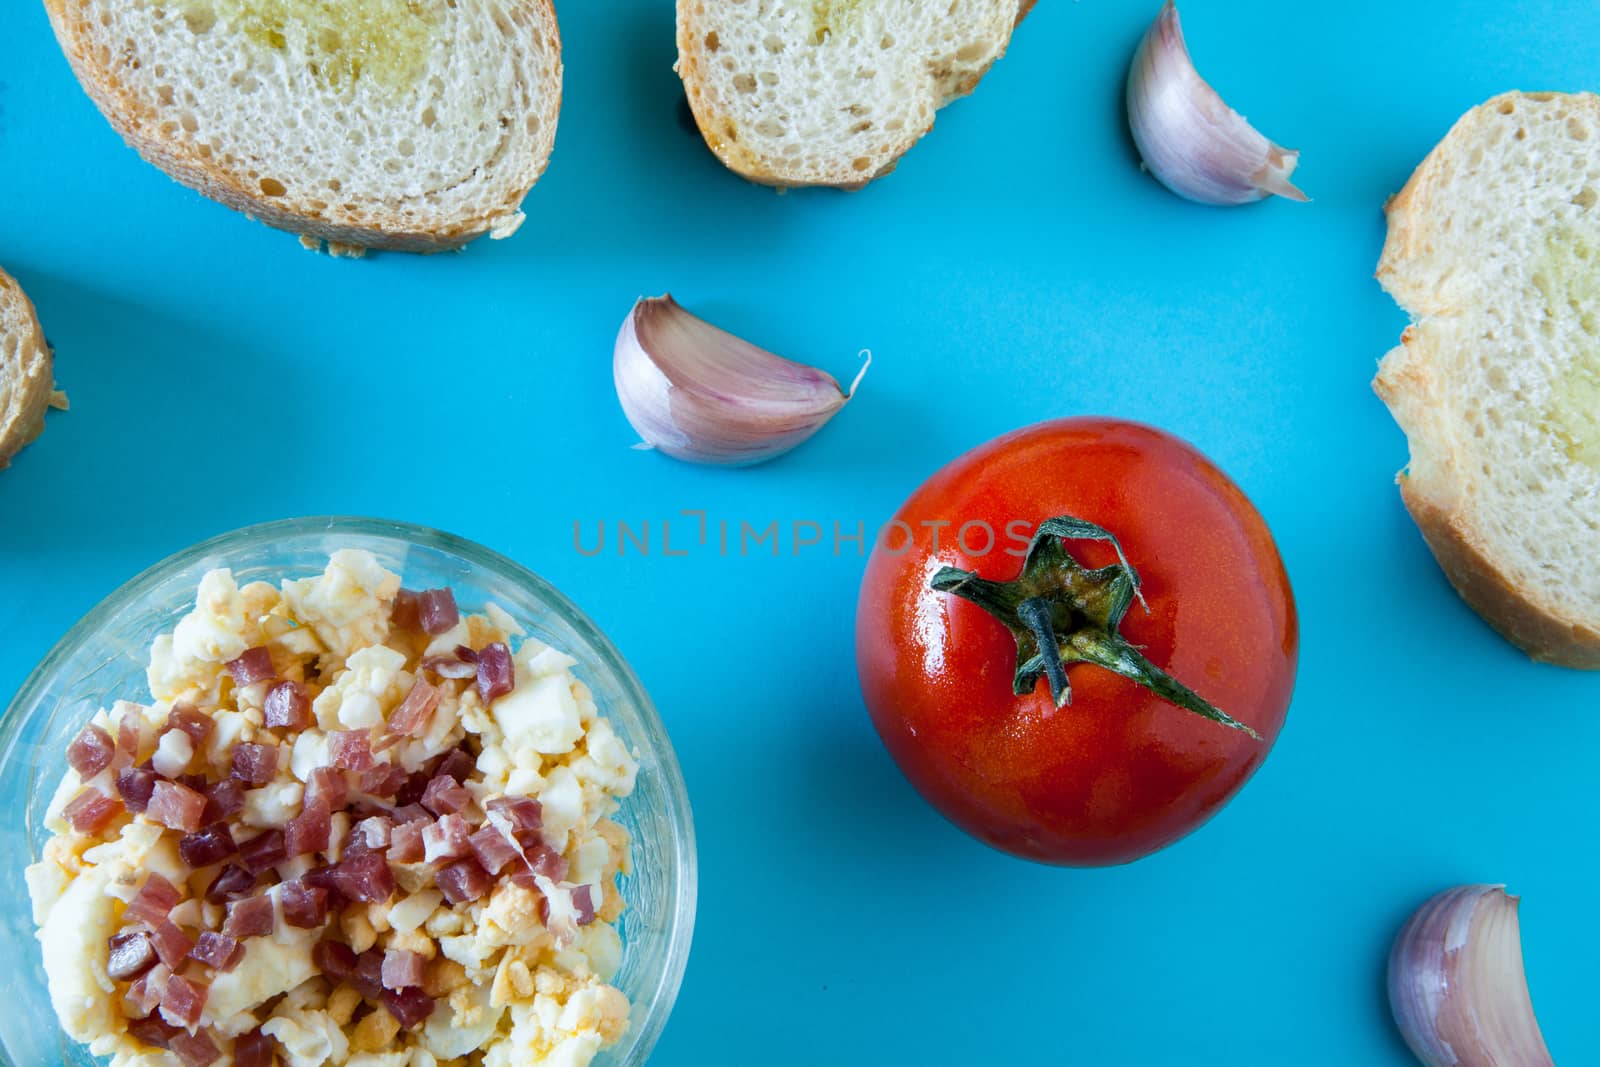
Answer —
1017 267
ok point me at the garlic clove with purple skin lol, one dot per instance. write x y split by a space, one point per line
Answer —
1456 983
702 395
1198 146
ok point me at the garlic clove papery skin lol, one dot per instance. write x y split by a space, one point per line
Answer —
702 395
1195 144
1456 983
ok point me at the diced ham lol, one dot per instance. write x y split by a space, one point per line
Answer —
254 1049
411 718
171 943
366 809
152 1032
327 787
436 610
583 904
192 721
410 1007
383 779
464 881
492 849
91 811
405 842
130 730
232 883
91 752
175 806
351 749
548 862
410 813
447 839
154 900
457 763
310 831
263 852
451 667
250 917
131 954
195 1050
135 786
364 877
223 799
253 665
334 959
542 862
206 846
144 995
287 707
445 796
217 950
385 742
402 969
466 654
305 907
338 903
368 979
412 791
519 813
404 615
497 675
254 764
321 878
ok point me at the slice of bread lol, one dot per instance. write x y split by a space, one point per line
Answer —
1494 249
831 92
27 387
415 125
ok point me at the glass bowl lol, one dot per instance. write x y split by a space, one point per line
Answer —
103 658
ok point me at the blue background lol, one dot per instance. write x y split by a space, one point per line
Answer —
1017 267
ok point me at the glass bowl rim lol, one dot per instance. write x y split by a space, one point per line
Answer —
667 986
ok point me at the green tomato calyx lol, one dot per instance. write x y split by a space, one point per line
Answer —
1061 614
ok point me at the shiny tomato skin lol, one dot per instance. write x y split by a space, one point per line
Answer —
1118 773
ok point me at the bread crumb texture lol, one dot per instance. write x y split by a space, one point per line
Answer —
27 388
1494 249
349 120
830 92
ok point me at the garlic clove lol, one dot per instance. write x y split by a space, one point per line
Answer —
1456 983
700 394
1198 146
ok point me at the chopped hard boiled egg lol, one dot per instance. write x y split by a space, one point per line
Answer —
319 844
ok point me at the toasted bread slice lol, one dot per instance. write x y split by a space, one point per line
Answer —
27 387
415 125
1494 249
831 92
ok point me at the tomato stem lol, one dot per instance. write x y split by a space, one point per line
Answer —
1035 613
1061 614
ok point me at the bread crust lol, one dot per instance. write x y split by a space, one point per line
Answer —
692 61
26 371
1436 490
343 231
1537 629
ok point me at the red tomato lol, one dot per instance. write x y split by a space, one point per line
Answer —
1118 772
